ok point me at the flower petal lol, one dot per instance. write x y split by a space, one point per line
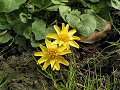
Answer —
60 43
65 30
65 52
46 64
74 38
52 35
71 32
42 59
57 29
39 54
61 48
43 48
67 45
54 46
52 62
56 66
62 61
48 43
74 44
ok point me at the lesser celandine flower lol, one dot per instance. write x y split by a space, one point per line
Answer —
64 37
51 54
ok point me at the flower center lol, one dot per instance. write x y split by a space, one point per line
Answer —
64 37
52 53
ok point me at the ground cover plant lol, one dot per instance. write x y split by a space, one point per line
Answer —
59 45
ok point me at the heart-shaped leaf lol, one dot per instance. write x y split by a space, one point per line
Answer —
85 24
64 11
40 30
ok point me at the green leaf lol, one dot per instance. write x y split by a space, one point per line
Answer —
41 3
39 29
115 4
3 22
10 5
101 8
75 12
101 23
5 38
97 7
28 32
16 23
64 11
53 8
85 24
35 43
60 1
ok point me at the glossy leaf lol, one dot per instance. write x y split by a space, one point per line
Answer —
64 11
85 24
10 5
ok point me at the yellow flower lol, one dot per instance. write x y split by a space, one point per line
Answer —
64 37
52 55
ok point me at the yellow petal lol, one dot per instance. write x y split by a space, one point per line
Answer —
75 38
42 59
63 26
65 52
65 30
60 43
74 44
39 54
46 64
57 29
52 62
67 45
52 35
54 46
43 48
56 66
71 32
48 43
61 48
62 61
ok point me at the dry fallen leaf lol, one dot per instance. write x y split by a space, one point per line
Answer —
97 35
